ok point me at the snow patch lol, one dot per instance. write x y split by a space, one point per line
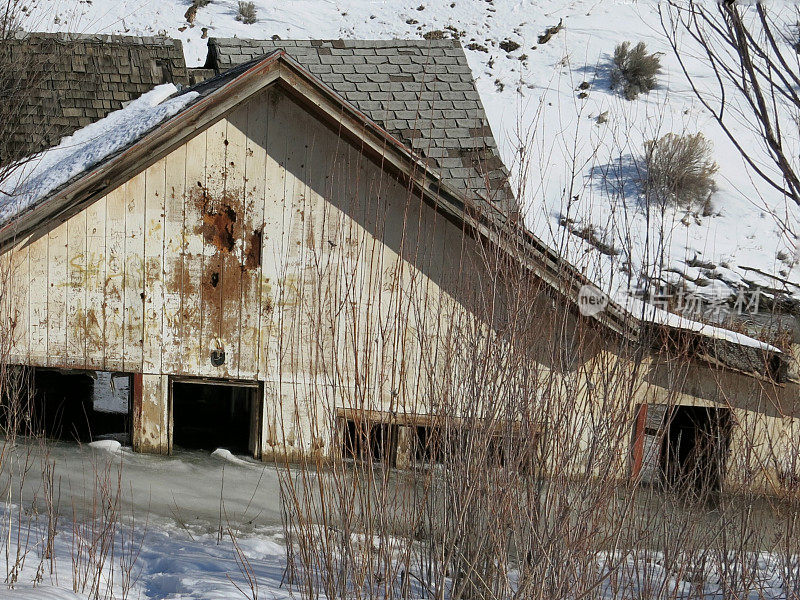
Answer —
228 456
112 446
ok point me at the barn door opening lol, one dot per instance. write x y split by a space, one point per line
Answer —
682 447
69 404
694 449
207 415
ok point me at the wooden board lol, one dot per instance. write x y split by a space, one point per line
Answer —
192 251
155 190
37 316
133 316
254 190
173 259
56 297
233 258
116 211
215 221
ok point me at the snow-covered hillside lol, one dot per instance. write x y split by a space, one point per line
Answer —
543 101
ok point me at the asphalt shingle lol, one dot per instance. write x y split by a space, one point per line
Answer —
78 79
421 91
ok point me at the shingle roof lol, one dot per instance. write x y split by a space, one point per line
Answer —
420 91
66 81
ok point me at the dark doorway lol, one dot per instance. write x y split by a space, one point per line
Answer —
70 405
695 446
210 415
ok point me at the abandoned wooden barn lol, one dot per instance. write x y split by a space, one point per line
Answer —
281 258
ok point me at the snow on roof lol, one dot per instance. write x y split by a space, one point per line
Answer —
45 172
648 313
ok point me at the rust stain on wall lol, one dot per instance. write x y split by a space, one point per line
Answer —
218 227
222 226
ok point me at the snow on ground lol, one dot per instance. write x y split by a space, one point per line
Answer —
171 563
182 508
88 146
173 522
186 487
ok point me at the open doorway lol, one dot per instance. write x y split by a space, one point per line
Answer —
694 448
208 414
69 404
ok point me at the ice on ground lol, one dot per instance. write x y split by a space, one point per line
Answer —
228 456
186 488
48 170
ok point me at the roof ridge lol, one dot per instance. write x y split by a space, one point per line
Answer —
97 38
345 43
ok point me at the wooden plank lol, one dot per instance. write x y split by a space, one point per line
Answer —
656 417
133 317
215 221
37 317
637 449
151 413
155 190
116 211
272 251
136 410
173 259
19 308
56 300
321 243
255 173
292 242
192 250
95 284
75 292
233 259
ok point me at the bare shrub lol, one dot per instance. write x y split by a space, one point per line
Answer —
680 170
635 70
246 13
191 12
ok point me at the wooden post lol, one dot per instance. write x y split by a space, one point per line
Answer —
638 441
151 428
136 412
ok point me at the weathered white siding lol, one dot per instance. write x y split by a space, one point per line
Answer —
266 236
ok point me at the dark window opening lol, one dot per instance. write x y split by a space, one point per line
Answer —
82 406
694 448
365 440
428 444
207 416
